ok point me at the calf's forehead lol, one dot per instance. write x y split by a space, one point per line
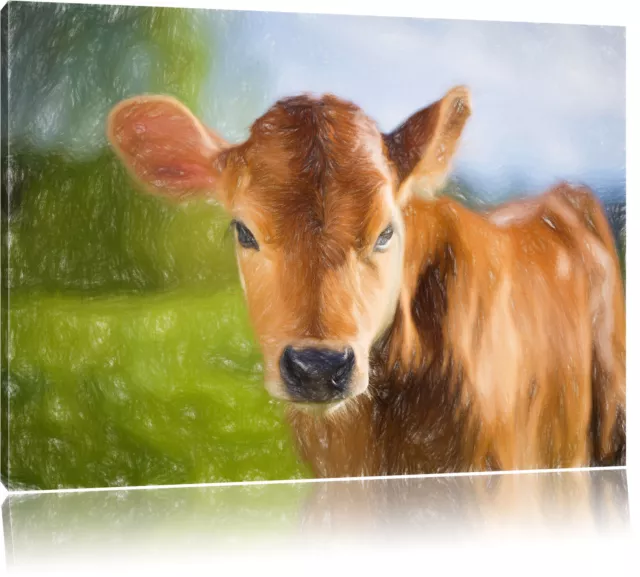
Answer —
317 168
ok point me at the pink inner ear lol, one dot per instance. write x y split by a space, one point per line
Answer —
165 145
178 175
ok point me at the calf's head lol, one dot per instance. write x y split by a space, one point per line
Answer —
315 195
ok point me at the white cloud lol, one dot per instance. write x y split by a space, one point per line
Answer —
549 98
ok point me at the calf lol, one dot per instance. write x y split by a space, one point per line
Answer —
407 333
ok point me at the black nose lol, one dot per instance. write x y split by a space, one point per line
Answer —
316 375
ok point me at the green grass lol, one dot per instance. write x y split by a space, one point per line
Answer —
131 360
84 227
136 390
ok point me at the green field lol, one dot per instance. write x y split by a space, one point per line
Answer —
137 390
131 360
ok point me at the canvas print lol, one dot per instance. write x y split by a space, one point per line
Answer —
248 246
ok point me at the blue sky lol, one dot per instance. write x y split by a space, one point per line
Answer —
549 100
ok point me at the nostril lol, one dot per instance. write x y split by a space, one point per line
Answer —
295 370
342 374
291 364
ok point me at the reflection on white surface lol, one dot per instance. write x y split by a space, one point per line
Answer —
56 529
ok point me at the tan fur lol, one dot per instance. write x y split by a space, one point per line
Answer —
482 341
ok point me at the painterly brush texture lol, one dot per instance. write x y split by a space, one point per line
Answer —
428 337
212 277
131 360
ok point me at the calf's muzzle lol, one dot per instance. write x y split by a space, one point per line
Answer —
315 375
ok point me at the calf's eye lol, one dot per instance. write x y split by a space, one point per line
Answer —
384 239
245 236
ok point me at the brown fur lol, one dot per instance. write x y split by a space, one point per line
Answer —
425 412
483 341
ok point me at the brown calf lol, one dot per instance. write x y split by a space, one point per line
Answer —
409 335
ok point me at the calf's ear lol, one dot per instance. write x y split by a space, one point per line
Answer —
167 149
422 148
